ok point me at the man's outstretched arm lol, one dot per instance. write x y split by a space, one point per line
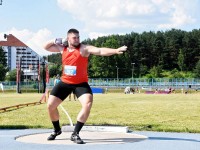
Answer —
105 51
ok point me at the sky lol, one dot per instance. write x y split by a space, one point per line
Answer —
37 21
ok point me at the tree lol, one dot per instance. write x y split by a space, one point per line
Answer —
3 64
55 58
155 72
55 69
181 60
176 74
197 70
11 75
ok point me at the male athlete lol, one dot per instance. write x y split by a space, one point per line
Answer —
74 78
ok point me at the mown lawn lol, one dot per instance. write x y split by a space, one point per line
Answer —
169 113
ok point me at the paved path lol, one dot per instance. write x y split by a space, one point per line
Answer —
155 141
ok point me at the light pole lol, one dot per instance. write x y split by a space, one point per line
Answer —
44 75
132 70
38 74
19 74
117 75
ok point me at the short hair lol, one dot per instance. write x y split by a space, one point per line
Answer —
73 31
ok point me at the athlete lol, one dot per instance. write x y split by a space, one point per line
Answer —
74 78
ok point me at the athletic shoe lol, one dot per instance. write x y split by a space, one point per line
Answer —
76 138
53 135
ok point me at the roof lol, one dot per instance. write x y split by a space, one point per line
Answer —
12 41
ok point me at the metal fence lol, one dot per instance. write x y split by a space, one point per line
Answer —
144 82
176 83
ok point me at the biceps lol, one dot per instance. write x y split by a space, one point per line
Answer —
95 51
54 49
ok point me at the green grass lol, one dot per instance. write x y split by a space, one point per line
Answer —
169 113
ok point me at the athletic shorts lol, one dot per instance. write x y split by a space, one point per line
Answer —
62 90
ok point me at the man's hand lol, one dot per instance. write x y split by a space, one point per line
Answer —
121 50
61 41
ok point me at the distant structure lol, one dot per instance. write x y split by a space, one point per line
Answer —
1 2
16 51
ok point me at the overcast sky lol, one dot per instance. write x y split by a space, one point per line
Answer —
37 21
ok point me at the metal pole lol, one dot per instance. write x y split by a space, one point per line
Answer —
19 75
20 64
38 74
44 76
26 71
117 76
132 70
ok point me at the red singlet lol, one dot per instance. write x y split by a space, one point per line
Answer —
74 67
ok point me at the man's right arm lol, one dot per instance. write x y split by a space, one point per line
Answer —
52 47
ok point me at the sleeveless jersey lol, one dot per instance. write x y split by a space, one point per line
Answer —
74 67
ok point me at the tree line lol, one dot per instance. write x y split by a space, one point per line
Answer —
173 53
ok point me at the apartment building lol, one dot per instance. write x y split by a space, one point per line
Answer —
16 50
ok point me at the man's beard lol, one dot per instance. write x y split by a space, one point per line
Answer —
75 45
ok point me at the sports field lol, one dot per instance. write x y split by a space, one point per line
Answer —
169 113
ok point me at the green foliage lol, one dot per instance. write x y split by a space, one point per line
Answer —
11 75
3 71
181 60
176 74
197 70
2 57
171 49
55 58
55 69
3 65
155 72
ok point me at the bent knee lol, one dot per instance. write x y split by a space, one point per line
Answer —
88 106
53 103
51 106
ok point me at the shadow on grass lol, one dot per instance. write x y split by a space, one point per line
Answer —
105 124
19 127
11 109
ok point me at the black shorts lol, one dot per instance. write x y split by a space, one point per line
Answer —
62 90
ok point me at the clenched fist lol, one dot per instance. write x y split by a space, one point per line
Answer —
122 49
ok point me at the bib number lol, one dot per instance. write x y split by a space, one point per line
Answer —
70 70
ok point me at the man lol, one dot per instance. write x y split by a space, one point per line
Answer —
74 78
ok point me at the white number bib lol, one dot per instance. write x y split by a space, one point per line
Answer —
70 70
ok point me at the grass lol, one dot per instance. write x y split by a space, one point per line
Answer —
168 113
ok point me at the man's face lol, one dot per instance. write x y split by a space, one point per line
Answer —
73 39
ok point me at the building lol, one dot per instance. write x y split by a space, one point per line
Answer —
15 51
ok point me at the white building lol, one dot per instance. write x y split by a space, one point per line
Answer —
14 49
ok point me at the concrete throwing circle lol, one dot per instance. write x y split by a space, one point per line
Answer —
87 136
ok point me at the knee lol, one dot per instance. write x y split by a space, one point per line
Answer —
88 106
53 103
50 107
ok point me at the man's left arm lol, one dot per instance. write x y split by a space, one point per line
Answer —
105 51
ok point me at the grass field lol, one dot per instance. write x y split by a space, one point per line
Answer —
169 113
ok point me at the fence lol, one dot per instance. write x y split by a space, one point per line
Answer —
176 83
142 82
